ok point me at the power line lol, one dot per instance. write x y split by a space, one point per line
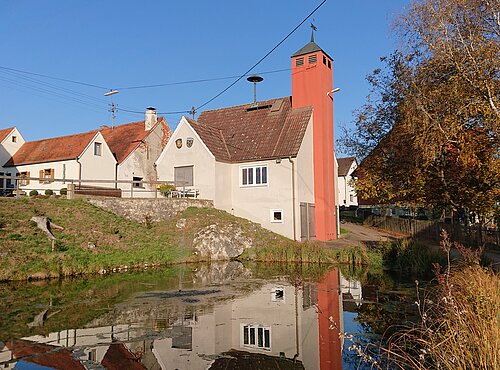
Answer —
55 78
193 81
264 57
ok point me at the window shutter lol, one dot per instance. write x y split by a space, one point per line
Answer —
52 173
27 182
40 175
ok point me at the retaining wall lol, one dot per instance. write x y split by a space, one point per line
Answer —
147 210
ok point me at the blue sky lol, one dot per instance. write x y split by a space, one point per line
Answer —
117 44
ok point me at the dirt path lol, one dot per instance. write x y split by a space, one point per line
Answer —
360 234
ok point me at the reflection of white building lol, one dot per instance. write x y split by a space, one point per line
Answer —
277 320
352 295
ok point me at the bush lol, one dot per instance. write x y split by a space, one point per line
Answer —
63 191
49 192
33 193
165 189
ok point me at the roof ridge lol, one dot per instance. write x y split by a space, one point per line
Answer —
246 104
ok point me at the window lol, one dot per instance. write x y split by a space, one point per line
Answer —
254 176
183 176
312 59
98 149
14 139
256 336
137 184
299 62
324 60
46 176
277 216
278 294
351 198
24 182
329 64
8 181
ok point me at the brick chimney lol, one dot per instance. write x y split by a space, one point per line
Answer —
151 118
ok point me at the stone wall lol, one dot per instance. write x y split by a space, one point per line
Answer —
149 210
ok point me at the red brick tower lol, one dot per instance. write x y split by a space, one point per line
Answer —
312 80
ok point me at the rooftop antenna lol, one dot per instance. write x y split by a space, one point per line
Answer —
255 79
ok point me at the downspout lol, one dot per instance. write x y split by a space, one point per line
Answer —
116 175
79 172
293 199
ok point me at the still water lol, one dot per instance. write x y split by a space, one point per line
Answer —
218 316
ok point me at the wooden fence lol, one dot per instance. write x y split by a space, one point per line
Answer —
473 235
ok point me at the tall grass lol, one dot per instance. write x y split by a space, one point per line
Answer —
460 320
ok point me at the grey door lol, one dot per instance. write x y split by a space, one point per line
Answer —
307 221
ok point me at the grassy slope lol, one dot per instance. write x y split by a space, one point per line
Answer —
26 252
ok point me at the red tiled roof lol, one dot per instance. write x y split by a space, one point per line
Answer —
43 354
123 139
241 133
119 358
344 164
4 132
51 150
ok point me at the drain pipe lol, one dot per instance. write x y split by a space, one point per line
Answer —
79 172
293 199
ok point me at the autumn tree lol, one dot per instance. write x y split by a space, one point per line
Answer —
429 132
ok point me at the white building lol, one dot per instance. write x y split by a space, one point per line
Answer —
271 161
78 157
10 142
136 146
347 193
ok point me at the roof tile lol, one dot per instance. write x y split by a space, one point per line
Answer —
253 132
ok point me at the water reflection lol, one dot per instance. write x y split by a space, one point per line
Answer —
216 317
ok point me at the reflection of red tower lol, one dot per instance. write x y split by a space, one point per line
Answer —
312 79
329 321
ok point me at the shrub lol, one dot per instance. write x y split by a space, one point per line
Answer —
33 193
63 191
49 192
165 189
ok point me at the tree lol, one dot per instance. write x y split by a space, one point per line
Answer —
429 132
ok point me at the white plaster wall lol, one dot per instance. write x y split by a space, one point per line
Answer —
95 167
256 202
8 148
198 156
223 187
62 169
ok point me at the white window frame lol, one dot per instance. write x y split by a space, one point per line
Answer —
273 221
274 296
97 145
256 344
254 168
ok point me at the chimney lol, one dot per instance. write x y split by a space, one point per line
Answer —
151 118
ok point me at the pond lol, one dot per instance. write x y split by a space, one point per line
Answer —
218 316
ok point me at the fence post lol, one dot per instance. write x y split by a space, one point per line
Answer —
70 194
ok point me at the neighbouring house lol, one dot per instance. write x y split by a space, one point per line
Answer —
271 161
347 193
10 142
125 153
79 157
136 146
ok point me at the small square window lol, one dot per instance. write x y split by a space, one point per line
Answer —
299 62
312 59
14 139
329 64
324 60
277 216
278 294
137 184
98 149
